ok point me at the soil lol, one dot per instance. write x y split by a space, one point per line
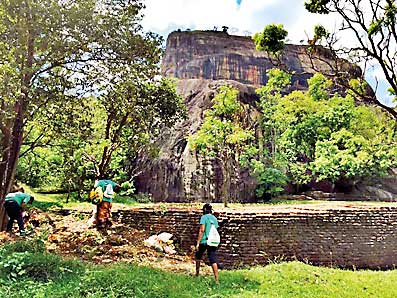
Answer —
72 236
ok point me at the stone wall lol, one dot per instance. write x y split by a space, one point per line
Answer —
347 237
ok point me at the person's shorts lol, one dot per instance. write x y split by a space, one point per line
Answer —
211 251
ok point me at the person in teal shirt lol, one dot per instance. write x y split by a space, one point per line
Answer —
104 207
14 205
206 221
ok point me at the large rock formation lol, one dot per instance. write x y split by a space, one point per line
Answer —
220 56
202 61
178 174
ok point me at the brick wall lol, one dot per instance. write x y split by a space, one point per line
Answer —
346 237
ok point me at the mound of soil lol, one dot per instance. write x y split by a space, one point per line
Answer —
70 235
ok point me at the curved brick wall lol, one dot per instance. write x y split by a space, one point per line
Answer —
361 236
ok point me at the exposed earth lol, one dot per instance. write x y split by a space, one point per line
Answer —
68 233
72 236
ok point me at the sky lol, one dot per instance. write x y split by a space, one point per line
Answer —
244 17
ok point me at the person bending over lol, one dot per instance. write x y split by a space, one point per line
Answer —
14 205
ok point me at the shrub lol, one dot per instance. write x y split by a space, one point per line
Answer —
35 245
143 198
41 267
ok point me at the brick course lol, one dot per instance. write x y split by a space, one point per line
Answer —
347 237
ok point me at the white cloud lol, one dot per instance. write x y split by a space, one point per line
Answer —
203 14
164 16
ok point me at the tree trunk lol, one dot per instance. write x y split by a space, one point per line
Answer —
260 143
10 159
9 168
225 181
3 218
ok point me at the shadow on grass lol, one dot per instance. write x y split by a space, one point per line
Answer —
46 206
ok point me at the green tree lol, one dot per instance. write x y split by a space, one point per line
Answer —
272 39
328 137
270 94
372 24
133 114
55 51
223 134
97 138
269 174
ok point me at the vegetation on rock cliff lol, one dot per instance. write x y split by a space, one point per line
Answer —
300 137
373 37
325 136
223 135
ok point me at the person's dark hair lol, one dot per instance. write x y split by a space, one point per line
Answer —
31 199
117 188
207 208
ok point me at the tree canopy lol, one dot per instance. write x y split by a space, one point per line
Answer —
58 55
328 137
372 26
369 25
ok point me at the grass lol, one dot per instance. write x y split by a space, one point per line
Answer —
46 202
289 280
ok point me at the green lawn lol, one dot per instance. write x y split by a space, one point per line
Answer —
287 280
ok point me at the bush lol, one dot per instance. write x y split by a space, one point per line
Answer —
40 267
143 198
36 245
28 259
270 180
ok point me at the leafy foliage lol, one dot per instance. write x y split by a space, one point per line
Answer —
79 79
317 6
320 32
371 24
272 39
328 137
270 176
92 99
222 135
27 259
270 180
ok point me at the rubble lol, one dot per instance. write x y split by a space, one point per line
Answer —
161 242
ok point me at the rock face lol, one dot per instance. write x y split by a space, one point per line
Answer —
178 174
203 61
220 56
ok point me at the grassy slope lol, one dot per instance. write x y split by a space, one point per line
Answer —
290 280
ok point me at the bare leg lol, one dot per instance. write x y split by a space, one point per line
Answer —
215 270
197 267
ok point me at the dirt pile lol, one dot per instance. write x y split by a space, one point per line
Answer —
71 236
